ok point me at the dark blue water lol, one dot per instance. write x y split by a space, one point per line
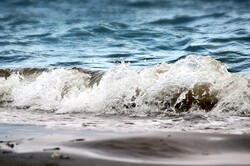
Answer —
99 34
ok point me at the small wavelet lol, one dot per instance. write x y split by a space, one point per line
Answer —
195 48
177 20
17 43
238 60
103 29
231 39
119 25
145 34
147 4
16 58
77 32
117 55
21 3
239 67
6 18
75 63
183 19
24 22
38 35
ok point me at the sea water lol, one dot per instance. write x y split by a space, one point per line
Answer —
133 65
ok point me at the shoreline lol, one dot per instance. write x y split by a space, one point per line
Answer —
33 145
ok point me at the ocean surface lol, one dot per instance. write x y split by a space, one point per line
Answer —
135 65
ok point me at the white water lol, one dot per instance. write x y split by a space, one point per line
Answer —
122 90
154 98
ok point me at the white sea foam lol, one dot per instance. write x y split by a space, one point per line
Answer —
191 84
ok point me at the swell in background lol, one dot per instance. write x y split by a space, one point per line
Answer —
98 34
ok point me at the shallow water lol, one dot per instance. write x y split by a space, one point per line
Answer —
157 65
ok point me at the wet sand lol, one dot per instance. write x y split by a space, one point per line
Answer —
23 145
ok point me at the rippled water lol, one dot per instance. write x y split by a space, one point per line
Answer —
183 62
98 34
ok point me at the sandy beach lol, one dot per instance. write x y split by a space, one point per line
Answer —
33 145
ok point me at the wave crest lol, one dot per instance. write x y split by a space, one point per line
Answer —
190 84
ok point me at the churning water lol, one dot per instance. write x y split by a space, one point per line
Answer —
160 65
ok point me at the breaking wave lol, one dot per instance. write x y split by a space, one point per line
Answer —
195 83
